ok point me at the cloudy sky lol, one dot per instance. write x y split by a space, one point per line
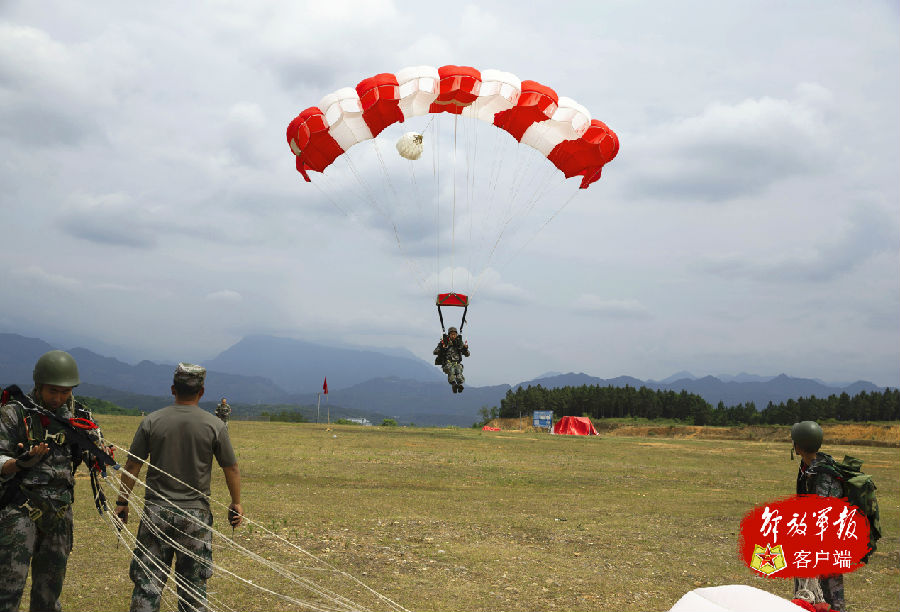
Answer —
150 206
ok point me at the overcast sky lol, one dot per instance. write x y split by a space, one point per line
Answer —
150 206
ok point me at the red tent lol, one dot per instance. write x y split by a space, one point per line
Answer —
575 426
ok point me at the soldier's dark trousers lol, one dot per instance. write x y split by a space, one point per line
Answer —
165 533
45 545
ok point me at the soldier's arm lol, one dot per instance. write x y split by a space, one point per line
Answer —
233 481
129 474
12 444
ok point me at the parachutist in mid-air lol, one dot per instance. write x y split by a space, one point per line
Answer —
449 353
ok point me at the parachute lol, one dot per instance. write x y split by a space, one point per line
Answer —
478 190
558 127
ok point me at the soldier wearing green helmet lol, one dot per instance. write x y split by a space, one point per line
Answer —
37 481
807 437
448 354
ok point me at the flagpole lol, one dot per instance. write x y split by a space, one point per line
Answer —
318 397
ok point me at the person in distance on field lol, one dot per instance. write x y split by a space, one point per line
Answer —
223 410
449 353
180 439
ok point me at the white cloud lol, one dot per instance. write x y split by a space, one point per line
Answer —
153 134
225 295
730 150
40 276
617 309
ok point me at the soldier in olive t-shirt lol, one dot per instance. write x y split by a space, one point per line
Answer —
180 442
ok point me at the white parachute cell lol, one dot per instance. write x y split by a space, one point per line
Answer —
732 598
569 122
418 88
499 92
410 145
343 112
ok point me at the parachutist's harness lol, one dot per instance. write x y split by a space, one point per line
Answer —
72 433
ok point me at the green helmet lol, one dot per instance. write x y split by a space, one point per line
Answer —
56 368
807 435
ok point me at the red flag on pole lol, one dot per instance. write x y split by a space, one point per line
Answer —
325 386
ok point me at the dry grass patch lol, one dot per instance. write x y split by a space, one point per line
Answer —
453 519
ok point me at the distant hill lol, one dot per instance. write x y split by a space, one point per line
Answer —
301 367
778 389
263 371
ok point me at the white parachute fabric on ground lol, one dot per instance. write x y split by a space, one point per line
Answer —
732 598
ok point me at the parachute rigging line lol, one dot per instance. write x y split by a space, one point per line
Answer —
323 592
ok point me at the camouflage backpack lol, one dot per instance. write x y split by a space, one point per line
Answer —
859 489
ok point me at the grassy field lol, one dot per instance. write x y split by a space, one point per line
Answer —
457 519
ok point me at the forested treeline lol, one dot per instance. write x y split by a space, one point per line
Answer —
99 406
620 402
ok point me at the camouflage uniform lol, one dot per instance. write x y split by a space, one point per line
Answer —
223 411
163 532
43 538
819 482
449 357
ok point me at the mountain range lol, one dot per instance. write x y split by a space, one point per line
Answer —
263 371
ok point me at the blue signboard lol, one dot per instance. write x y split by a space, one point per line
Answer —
543 418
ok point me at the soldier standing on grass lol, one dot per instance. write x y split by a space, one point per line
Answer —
223 410
180 439
37 481
807 438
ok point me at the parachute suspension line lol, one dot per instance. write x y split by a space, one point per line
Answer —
472 132
328 197
436 166
144 511
131 542
539 230
270 564
453 222
373 200
387 176
340 601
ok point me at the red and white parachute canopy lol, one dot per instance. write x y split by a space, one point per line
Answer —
558 127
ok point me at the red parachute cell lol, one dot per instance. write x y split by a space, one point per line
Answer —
587 155
536 103
310 136
380 97
458 88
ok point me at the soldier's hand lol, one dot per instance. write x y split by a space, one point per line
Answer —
235 515
30 458
122 512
